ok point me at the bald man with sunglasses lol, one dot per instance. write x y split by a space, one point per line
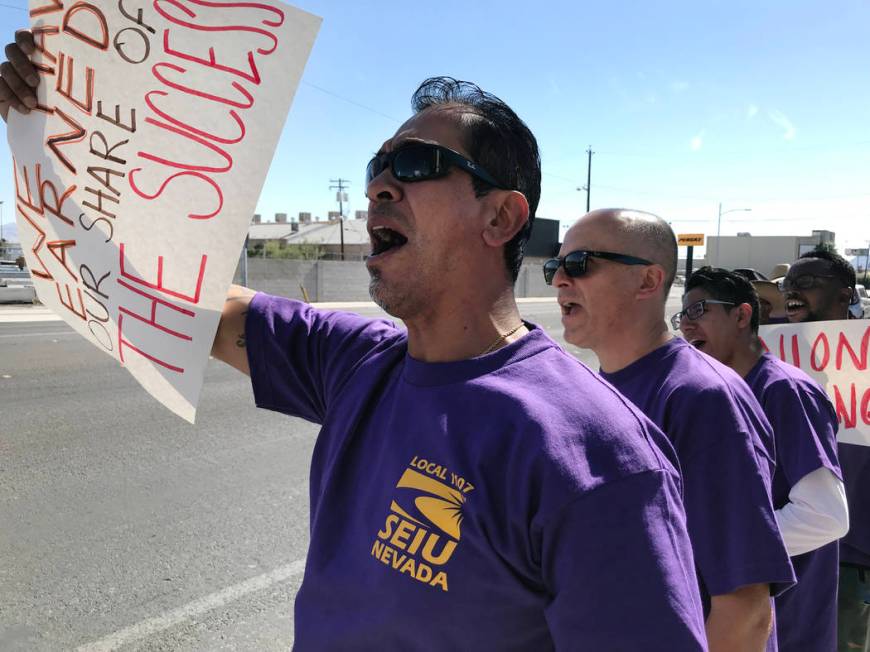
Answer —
460 500
613 276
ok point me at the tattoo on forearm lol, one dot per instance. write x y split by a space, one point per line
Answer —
241 340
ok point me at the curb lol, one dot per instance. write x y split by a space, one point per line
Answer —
21 313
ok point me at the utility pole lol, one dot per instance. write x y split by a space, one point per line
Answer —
340 185
588 185
589 176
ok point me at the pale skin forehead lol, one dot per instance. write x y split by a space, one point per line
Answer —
614 230
439 125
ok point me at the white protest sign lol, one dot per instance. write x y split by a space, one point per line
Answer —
834 354
137 175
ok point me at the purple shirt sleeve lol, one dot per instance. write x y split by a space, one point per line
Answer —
727 493
806 430
301 356
598 596
725 447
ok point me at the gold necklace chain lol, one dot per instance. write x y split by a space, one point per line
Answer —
499 339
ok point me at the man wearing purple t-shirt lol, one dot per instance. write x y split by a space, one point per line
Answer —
819 287
720 316
613 276
460 497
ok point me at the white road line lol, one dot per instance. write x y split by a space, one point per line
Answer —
551 299
23 318
196 608
45 335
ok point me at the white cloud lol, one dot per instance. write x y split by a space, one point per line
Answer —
751 111
782 120
679 86
697 142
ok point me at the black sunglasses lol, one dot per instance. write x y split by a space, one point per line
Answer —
424 161
574 263
696 310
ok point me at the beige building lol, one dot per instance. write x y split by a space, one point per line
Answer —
327 236
761 253
320 239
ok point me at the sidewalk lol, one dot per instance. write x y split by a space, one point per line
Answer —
18 313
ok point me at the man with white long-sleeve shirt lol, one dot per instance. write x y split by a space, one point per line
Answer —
720 317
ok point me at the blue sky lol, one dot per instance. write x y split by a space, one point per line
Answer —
755 105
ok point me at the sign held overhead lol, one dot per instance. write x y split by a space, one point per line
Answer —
137 173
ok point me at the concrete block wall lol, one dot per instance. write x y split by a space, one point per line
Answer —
342 281
281 277
530 282
333 280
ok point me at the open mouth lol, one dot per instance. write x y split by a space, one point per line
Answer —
794 305
698 344
568 307
385 239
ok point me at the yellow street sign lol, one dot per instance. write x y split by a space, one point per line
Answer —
690 239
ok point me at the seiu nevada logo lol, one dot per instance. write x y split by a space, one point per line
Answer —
422 530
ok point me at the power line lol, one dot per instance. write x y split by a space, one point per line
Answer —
350 101
677 195
742 153
556 176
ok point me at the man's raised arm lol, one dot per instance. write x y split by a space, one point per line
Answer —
229 341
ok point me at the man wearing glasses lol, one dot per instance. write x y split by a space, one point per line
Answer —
819 286
613 276
721 317
459 498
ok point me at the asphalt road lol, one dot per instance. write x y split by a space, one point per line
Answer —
122 527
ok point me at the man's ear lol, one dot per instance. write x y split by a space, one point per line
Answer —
510 215
652 278
845 296
744 315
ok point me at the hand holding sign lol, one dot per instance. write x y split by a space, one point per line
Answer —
139 166
18 77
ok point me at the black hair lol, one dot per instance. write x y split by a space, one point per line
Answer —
840 267
724 285
498 140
